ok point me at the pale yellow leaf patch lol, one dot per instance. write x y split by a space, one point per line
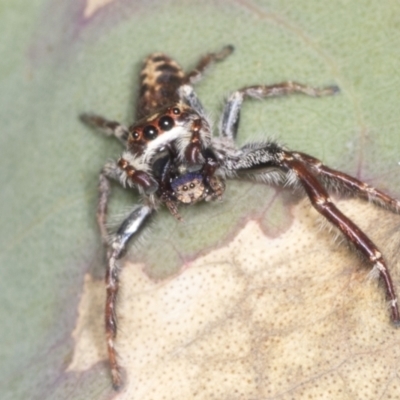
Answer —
296 316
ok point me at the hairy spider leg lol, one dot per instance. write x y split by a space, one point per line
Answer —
193 150
323 204
271 155
189 96
117 248
229 122
298 162
340 180
104 190
109 128
205 62
124 173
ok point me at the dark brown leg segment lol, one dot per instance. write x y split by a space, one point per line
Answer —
193 151
231 115
109 128
321 202
112 286
102 206
205 62
285 88
352 185
139 178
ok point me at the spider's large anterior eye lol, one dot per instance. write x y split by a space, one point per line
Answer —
150 132
166 123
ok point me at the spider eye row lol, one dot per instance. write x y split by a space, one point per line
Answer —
151 131
187 187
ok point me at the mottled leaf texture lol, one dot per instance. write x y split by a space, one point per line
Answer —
252 298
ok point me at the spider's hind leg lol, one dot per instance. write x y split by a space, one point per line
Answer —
197 73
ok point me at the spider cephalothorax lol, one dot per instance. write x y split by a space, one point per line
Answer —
171 157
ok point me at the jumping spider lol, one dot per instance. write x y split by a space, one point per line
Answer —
172 157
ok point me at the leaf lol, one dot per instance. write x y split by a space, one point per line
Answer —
247 298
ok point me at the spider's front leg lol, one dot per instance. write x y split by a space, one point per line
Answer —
128 171
125 172
231 115
107 127
258 160
341 181
323 204
117 248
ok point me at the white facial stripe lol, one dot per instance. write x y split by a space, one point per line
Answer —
162 140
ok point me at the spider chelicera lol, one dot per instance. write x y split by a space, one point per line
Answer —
171 157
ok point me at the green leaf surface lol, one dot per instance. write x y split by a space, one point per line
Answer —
58 59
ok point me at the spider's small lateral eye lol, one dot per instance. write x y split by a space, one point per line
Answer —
176 110
136 135
192 185
150 132
166 123
185 188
